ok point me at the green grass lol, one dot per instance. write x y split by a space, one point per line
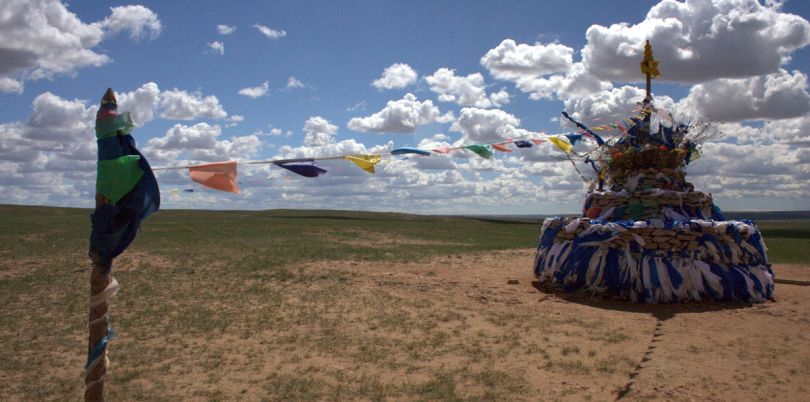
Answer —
788 241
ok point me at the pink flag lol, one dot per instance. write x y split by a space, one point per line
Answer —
442 150
501 148
537 141
219 175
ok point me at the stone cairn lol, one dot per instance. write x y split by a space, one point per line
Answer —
650 237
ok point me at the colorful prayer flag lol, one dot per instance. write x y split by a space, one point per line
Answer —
480 150
304 168
219 175
409 150
562 145
365 162
501 148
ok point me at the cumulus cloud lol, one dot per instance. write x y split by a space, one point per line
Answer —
466 91
511 61
400 116
487 125
200 143
138 20
576 82
141 103
257 91
42 39
293 82
217 47
225 29
318 131
182 105
270 32
774 96
699 41
396 76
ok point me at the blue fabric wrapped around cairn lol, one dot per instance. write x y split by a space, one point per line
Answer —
726 261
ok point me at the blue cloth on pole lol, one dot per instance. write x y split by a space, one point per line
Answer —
114 226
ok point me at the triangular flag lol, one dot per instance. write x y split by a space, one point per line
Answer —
219 176
523 144
537 141
409 150
303 168
481 150
442 150
562 145
365 162
501 148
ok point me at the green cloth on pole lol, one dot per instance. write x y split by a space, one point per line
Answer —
110 127
117 177
482 150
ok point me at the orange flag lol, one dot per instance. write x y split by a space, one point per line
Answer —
501 148
219 175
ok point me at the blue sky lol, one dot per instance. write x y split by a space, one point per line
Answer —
448 72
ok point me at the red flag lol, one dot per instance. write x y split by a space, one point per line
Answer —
219 176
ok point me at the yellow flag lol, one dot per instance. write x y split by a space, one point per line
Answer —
366 162
560 143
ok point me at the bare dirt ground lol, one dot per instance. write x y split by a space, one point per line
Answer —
585 348
449 329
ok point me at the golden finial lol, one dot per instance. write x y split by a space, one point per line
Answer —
649 66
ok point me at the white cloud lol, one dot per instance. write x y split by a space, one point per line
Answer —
318 132
138 20
466 91
400 116
42 39
576 82
217 47
225 29
181 105
200 143
237 118
396 76
698 41
510 61
774 96
293 82
487 125
257 91
270 32
11 85
141 103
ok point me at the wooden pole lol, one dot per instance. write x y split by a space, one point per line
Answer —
94 376
98 325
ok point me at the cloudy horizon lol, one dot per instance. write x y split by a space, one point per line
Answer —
265 81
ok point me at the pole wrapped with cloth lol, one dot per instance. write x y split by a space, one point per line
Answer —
126 193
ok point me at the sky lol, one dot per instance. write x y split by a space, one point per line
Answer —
211 81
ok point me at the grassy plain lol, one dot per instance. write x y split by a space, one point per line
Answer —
329 305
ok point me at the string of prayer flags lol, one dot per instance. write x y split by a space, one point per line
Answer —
501 148
574 138
307 168
127 191
597 138
409 150
480 150
219 175
523 144
365 162
562 145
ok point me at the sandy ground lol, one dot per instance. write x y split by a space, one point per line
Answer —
688 352
460 327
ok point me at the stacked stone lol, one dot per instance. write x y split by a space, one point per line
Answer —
652 238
